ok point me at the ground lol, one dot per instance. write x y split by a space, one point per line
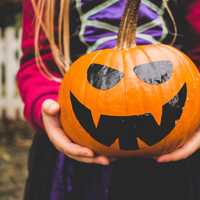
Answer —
15 140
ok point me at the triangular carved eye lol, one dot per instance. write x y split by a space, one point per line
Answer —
154 72
103 77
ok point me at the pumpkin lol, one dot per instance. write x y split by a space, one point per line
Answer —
131 100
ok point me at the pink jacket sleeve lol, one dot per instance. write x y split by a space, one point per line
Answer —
193 19
33 86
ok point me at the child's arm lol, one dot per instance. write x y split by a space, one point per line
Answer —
39 94
33 86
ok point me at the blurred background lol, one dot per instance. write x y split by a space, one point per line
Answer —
15 135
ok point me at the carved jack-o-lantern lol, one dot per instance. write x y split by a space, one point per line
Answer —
131 100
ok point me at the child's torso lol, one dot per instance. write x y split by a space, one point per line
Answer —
95 24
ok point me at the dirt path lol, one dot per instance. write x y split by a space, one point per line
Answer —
13 172
13 166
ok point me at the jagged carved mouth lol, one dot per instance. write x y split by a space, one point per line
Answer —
128 128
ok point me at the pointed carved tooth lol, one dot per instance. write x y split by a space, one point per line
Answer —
115 145
141 143
96 117
157 114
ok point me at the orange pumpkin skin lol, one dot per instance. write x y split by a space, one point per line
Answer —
132 96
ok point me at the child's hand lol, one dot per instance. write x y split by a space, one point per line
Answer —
184 152
50 115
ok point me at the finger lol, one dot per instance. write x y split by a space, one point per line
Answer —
184 152
68 148
179 154
100 160
60 140
76 150
50 107
63 144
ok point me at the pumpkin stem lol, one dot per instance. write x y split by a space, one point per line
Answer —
128 25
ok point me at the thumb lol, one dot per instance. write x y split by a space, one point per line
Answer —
50 107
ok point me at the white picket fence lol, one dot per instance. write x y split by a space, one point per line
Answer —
11 106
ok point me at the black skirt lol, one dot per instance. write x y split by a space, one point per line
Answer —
53 176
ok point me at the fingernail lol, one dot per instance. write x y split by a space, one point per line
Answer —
105 162
53 106
45 105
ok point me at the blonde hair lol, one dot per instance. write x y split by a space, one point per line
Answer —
45 21
45 12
